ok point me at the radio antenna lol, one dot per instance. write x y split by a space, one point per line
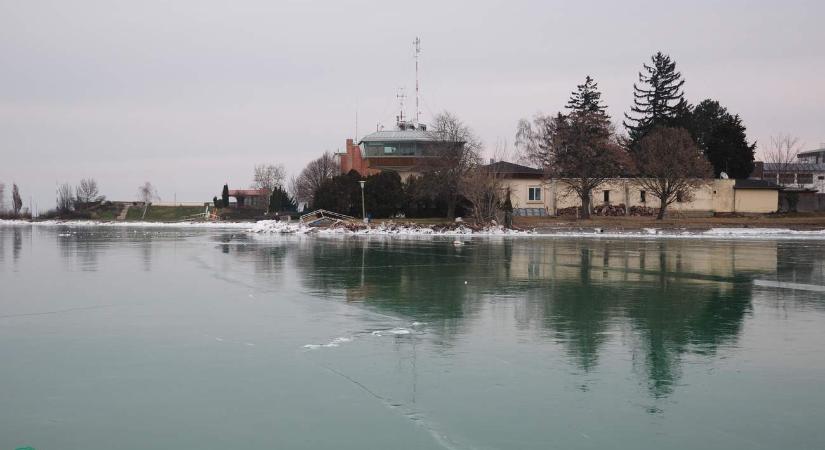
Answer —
417 46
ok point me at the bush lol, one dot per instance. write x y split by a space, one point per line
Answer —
341 194
384 194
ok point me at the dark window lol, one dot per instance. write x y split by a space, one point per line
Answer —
607 196
534 194
805 178
679 197
820 177
642 196
786 178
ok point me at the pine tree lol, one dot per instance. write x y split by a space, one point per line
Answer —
586 97
722 137
225 196
281 201
658 99
16 201
579 149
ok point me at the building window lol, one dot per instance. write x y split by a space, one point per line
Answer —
787 178
820 177
389 150
606 196
679 198
642 196
804 178
534 194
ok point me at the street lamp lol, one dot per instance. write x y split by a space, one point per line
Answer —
363 208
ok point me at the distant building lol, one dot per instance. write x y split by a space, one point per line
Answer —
250 198
798 175
813 156
408 149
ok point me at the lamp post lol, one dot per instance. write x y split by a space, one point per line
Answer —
363 208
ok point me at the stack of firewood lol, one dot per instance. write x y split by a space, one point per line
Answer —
572 211
643 211
609 210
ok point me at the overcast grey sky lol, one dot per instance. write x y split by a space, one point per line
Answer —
191 94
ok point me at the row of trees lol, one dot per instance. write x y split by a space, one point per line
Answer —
16 200
670 147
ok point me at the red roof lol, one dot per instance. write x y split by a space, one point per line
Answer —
248 193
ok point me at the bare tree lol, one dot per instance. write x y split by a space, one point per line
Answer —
580 150
781 155
268 176
147 193
2 197
456 151
65 200
16 201
482 187
303 186
87 191
671 166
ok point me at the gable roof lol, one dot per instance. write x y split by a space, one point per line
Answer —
508 168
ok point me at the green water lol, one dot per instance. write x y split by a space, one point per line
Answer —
195 339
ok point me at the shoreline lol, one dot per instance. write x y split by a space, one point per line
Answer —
558 230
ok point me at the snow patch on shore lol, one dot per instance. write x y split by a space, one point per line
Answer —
713 233
762 232
383 229
392 229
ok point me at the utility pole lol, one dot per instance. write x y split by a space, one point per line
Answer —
363 207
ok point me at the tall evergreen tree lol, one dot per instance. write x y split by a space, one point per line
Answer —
722 137
658 99
578 149
225 196
280 200
16 201
586 97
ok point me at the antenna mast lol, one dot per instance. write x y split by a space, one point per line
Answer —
400 96
417 46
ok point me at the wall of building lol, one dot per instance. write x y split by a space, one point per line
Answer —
757 200
519 190
717 196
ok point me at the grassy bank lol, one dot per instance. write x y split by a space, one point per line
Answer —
163 213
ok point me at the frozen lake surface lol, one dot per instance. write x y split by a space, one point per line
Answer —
165 338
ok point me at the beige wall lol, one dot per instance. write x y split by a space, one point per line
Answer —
715 196
519 193
757 200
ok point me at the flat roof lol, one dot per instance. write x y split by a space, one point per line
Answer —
811 152
755 184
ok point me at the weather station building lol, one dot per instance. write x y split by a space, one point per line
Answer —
409 148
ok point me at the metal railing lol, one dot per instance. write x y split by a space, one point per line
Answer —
323 214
